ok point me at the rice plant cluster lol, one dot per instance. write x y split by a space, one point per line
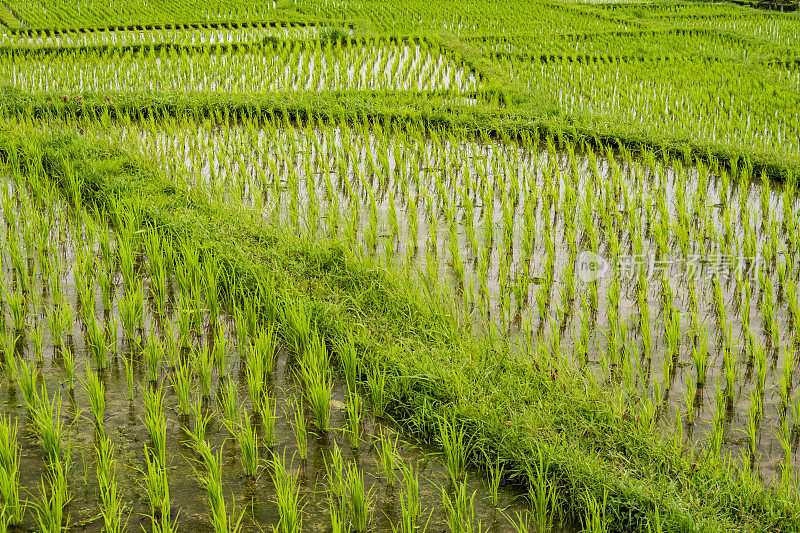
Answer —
130 368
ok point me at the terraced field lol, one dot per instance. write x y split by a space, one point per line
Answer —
391 266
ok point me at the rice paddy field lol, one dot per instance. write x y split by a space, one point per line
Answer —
357 266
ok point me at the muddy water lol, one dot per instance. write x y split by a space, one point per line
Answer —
123 421
304 176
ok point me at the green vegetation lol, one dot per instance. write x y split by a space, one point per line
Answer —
313 219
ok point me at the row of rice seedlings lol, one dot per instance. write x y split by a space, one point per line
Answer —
176 35
248 68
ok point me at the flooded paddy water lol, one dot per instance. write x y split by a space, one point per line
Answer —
674 283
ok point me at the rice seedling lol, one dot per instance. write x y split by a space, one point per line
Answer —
359 504
157 489
50 509
300 430
700 356
543 494
496 470
97 400
13 508
112 508
388 455
49 426
203 369
460 509
152 358
595 520
97 342
248 444
219 354
353 418
154 421
410 506
348 359
314 374
267 414
376 384
27 376
132 309
287 497
68 364
456 447
9 341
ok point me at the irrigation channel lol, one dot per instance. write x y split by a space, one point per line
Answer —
694 311
131 398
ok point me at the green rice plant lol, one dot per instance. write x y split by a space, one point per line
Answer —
56 323
218 352
9 341
297 328
411 509
49 426
27 375
786 379
359 504
154 421
456 447
460 509
376 384
353 418
181 381
256 375
129 376
496 470
594 520
97 343
338 520
731 367
68 363
13 508
348 359
287 497
388 455
37 337
212 479
157 488
267 414
315 376
112 508
700 356
203 369
520 524
543 494
265 344
96 392
300 431
228 405
17 305
152 358
334 471
49 509
248 444
132 309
